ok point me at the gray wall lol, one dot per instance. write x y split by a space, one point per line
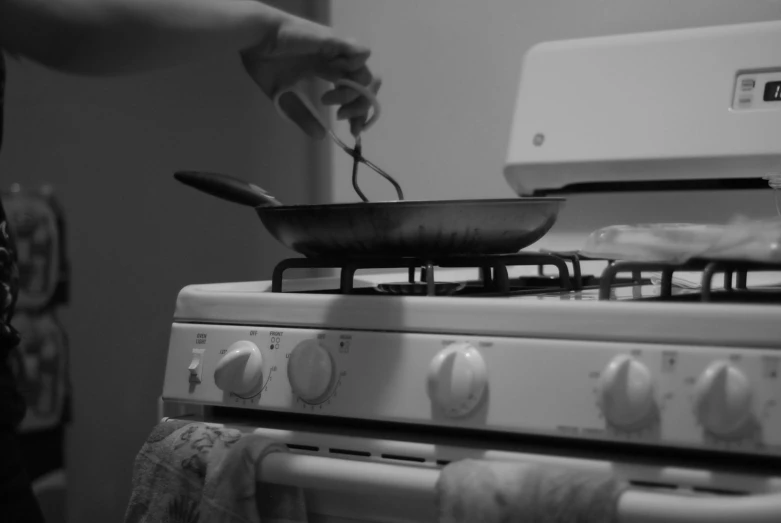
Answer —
136 236
450 71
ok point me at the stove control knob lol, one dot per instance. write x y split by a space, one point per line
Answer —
722 399
626 393
240 370
310 371
457 379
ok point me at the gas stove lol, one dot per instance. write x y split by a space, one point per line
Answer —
671 395
667 375
636 364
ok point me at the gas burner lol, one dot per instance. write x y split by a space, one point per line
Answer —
422 288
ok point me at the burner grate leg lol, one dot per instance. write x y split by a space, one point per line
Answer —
486 278
607 281
542 260
429 278
742 283
557 259
278 274
501 281
667 283
346 277
707 281
578 285
728 280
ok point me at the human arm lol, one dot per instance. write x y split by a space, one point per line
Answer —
105 37
111 37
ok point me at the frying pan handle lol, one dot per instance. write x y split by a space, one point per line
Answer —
298 91
227 187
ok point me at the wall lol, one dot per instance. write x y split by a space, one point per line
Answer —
450 70
136 236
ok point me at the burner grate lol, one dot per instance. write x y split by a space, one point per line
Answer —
494 277
735 279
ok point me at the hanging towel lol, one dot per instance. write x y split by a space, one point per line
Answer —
475 491
202 473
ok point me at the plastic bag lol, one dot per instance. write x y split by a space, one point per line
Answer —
739 240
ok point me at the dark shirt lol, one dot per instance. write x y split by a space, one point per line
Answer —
12 406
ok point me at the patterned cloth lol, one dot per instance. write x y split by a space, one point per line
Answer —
471 491
202 473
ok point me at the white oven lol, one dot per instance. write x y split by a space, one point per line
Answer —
660 374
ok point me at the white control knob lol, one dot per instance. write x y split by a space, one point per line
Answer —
722 399
457 379
240 370
310 370
626 393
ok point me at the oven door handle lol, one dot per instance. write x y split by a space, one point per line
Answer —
379 479
346 475
636 506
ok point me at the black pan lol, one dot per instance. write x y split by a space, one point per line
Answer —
394 228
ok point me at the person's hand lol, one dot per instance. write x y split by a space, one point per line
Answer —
301 49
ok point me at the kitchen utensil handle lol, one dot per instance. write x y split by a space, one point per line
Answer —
227 187
298 90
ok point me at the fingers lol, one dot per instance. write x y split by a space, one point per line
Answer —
353 106
334 70
304 50
362 76
356 126
361 109
345 54
339 96
359 106
343 95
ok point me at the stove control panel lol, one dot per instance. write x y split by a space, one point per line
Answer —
687 396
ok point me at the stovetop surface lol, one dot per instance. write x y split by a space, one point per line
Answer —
617 293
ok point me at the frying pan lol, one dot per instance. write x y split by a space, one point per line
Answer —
404 228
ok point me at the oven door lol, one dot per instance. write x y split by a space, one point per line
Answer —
349 476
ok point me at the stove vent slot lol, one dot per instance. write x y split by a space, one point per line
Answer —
717 491
395 457
307 448
654 485
346 452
